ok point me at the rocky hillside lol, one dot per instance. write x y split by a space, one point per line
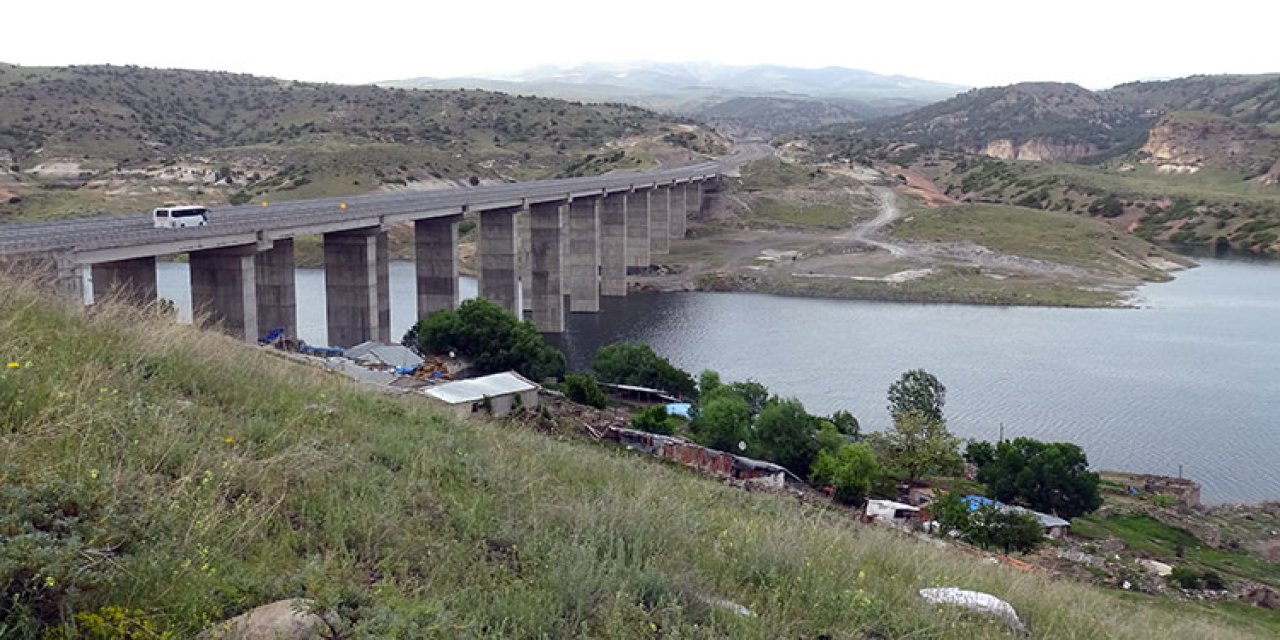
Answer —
1028 121
1186 142
1252 99
102 137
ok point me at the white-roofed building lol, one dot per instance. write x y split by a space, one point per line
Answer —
499 394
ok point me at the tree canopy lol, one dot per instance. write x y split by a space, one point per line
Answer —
850 471
723 423
918 444
491 338
635 363
784 434
917 390
1053 477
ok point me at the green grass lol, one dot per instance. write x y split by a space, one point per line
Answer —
825 216
771 173
202 478
1032 233
1146 534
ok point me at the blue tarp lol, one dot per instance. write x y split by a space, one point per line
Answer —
679 409
978 501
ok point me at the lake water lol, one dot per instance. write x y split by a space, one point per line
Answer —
1192 378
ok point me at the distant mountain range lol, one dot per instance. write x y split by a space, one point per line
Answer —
701 89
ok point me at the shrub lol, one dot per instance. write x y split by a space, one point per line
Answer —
492 338
582 389
635 363
655 419
851 472
59 540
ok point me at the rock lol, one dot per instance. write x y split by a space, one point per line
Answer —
1262 596
280 620
1158 568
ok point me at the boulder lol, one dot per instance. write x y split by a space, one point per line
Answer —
280 620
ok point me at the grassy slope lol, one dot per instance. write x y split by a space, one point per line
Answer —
244 479
1032 233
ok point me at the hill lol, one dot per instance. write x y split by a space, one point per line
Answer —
778 115
84 139
159 478
1192 162
1027 121
1251 99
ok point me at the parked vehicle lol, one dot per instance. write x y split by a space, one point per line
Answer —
180 216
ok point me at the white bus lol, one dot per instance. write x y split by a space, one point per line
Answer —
178 217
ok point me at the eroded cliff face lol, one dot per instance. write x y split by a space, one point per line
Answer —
1272 177
1043 149
1179 145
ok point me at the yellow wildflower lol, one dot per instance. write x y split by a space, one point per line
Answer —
229 440
13 365
93 474
49 581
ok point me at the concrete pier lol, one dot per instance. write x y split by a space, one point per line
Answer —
659 220
277 290
584 255
436 259
129 280
523 260
497 258
357 286
613 245
224 289
638 228
679 210
546 250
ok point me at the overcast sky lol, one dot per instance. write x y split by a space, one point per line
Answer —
978 43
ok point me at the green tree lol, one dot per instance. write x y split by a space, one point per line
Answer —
979 452
655 420
784 434
850 471
635 363
1015 531
755 394
847 424
723 423
1053 477
491 338
582 388
708 382
951 513
918 444
917 390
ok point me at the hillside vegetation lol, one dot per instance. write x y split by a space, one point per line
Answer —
171 478
105 138
1193 162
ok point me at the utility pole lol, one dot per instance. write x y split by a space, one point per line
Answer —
1001 434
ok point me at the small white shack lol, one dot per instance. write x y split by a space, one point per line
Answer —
890 512
499 394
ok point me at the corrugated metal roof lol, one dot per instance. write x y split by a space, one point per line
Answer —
392 355
475 389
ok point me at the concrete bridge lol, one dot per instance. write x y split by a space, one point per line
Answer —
538 242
